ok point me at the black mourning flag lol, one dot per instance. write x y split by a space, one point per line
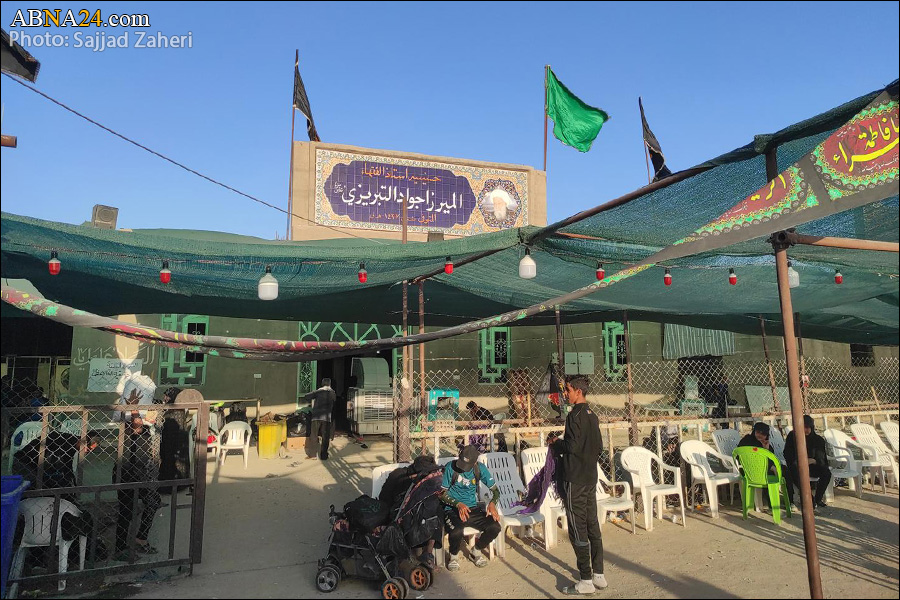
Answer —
660 170
301 101
17 61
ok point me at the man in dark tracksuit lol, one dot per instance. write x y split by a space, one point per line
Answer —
579 452
322 404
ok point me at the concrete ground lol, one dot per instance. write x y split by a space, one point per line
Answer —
267 526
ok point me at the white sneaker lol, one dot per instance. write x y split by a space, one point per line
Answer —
453 565
600 581
585 587
479 558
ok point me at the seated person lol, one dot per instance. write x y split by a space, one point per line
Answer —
759 438
59 452
479 413
818 460
460 497
395 489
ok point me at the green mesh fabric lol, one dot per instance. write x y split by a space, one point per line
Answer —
116 272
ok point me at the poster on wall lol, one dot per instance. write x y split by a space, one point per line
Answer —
105 373
367 192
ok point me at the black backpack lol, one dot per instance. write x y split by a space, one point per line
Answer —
366 513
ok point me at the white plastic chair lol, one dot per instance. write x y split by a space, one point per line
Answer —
839 439
694 453
30 431
533 460
639 461
777 442
380 475
867 435
607 503
236 436
843 466
502 465
71 427
38 513
726 440
891 431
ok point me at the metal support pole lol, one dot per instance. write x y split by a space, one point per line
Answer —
633 433
793 375
776 407
424 396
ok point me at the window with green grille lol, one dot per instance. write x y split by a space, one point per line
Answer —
179 367
494 356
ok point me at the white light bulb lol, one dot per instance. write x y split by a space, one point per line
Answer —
267 289
527 266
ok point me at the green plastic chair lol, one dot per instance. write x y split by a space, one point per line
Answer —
754 463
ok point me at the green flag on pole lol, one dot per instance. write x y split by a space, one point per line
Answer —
574 123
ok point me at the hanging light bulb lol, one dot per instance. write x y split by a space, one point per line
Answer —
362 274
600 272
165 275
838 278
793 277
267 289
448 266
527 266
53 265
667 278
732 277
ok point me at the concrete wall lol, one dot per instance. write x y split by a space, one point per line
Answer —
531 348
226 379
304 183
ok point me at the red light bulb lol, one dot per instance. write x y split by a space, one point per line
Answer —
600 272
448 266
165 275
54 266
667 278
838 278
732 277
362 274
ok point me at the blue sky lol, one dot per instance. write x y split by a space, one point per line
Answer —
462 80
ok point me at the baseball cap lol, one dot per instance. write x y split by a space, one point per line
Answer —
467 458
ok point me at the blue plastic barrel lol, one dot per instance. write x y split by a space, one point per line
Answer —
12 488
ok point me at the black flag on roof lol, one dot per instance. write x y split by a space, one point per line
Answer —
660 170
301 101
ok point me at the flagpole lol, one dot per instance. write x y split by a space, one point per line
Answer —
647 158
646 150
291 175
546 74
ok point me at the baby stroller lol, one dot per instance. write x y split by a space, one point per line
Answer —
382 554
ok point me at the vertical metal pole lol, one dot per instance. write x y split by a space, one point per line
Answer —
793 375
546 76
647 159
802 363
560 356
424 396
775 405
290 233
633 433
198 510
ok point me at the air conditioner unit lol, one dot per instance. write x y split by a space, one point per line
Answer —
104 217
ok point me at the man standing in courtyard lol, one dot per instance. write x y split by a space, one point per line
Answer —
579 452
322 404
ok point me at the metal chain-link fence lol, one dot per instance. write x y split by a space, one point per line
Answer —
711 388
110 478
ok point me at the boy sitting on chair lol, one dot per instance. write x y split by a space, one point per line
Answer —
462 509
